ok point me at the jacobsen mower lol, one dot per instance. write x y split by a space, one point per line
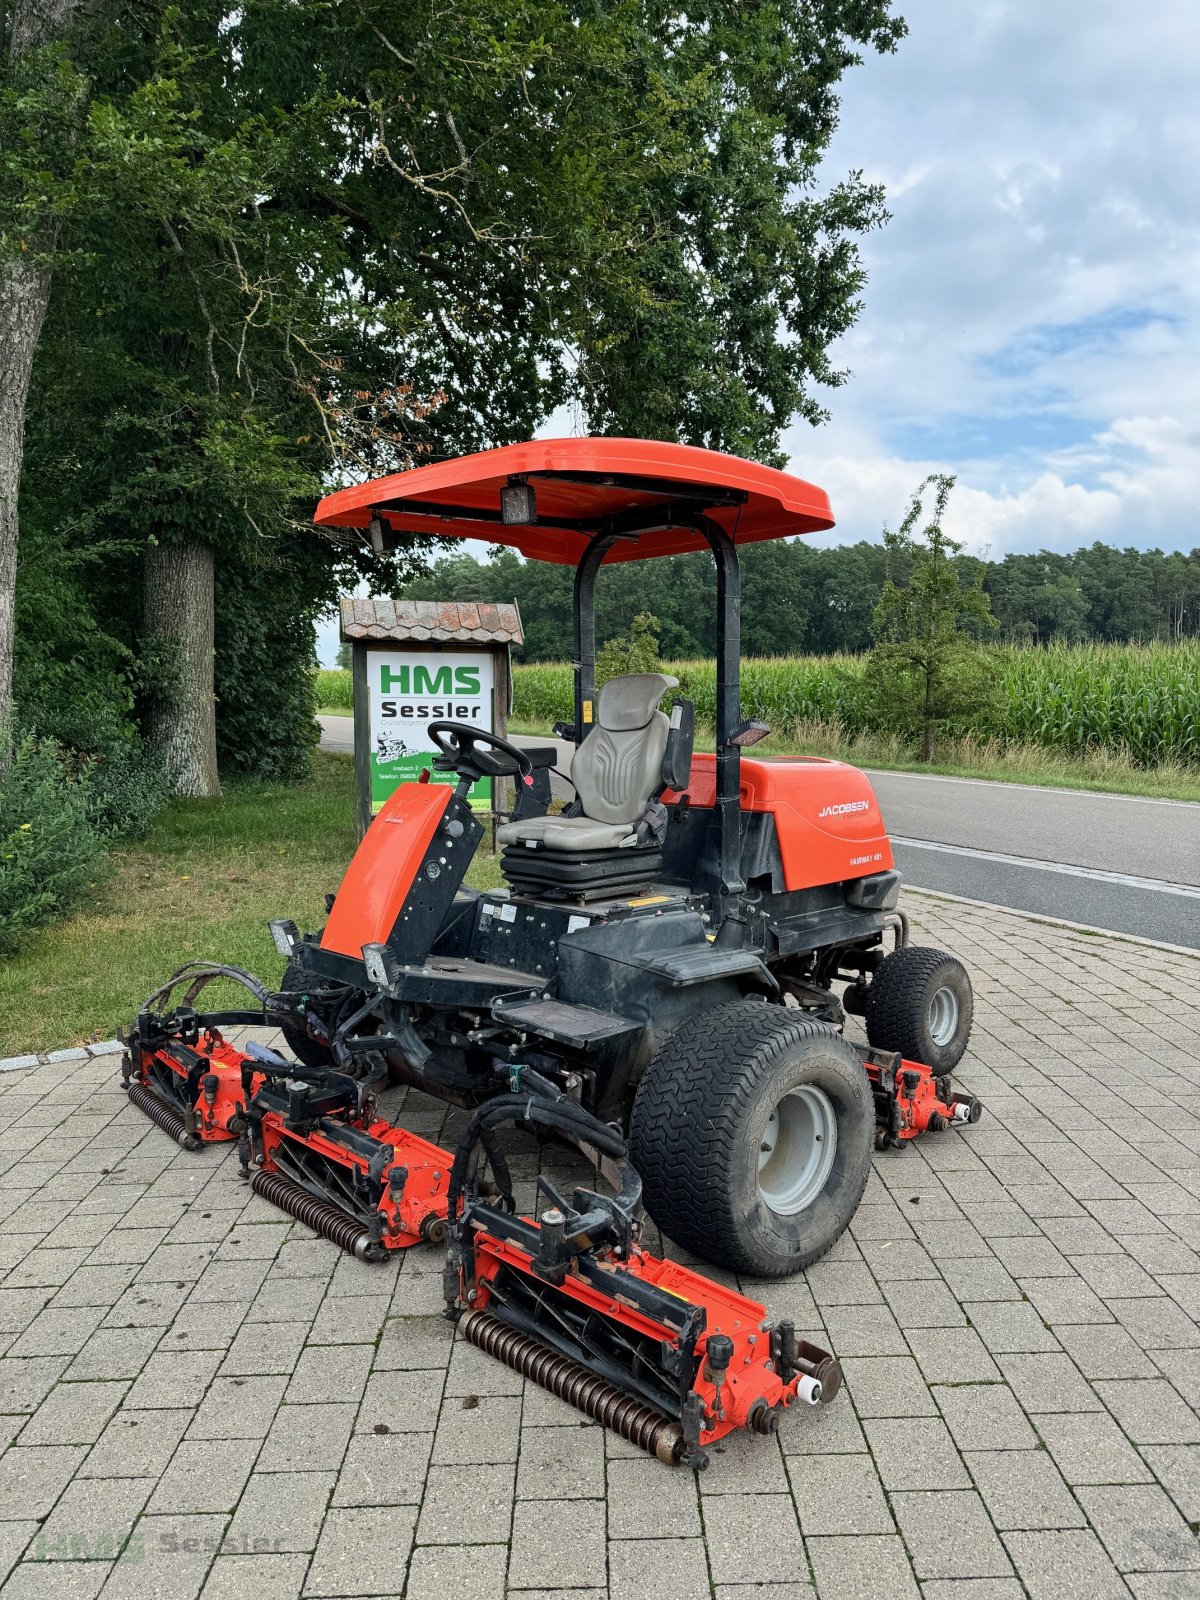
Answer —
654 984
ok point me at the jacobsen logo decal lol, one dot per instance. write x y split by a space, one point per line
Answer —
846 809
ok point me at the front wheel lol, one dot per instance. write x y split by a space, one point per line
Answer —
920 1003
753 1130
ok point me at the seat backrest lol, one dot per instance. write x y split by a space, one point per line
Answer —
619 765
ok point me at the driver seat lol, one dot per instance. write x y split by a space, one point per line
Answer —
615 771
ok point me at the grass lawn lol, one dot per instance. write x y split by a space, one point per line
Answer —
203 884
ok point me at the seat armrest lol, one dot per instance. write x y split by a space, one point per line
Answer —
541 755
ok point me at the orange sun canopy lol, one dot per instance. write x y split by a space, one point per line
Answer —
641 487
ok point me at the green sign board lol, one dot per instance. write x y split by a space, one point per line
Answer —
409 689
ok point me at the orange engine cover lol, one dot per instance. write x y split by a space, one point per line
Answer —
372 893
827 818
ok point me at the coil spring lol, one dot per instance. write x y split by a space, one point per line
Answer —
169 1121
596 1397
328 1220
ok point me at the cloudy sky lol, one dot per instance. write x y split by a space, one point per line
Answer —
1032 317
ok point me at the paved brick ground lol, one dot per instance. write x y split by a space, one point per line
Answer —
200 1398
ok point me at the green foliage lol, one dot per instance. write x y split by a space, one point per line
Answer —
126 789
266 726
635 650
927 671
49 844
334 686
1136 701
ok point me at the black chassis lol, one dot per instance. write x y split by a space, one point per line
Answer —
480 984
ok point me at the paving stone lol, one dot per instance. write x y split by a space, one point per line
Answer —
260 1349
644 1502
384 1469
136 1444
1157 1324
405 1402
973 1589
915 1453
1010 1326
172 1378
843 1497
984 1416
754 1539
1065 1566
471 1573
863 1331
409 1343
205 1475
486 1432
952 1355
14 1536
738 1464
32 1479
1141 1528
75 1580
1150 1411
566 1462
756 1591
238 1408
264 1577
948 1535
473 1371
1050 1382
923 1304
888 1386
25 1382
279 1512
1023 1489
165 1555
873 1568
556 1544
1090 1448
1177 1468
467 1505
330 1373
821 1430
1107 1352
362 1552
89 1526
74 1413
307 1438
658 1567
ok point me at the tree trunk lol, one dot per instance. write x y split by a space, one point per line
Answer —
24 297
181 725
927 719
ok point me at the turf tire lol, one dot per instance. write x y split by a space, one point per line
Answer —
898 1001
698 1121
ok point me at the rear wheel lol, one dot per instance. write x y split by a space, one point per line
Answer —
920 1003
752 1130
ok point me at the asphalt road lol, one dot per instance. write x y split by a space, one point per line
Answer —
1109 861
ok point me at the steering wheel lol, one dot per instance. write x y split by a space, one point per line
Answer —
460 744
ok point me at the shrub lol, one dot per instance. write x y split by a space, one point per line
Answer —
126 789
49 843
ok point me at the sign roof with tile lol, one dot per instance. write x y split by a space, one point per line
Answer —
448 621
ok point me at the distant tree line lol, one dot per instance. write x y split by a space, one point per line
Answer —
798 599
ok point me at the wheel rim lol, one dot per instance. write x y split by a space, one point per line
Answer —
943 1016
796 1150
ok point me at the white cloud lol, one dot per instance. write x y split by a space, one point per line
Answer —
1032 320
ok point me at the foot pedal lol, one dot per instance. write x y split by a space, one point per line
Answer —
565 1024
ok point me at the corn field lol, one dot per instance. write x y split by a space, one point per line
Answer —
1137 701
